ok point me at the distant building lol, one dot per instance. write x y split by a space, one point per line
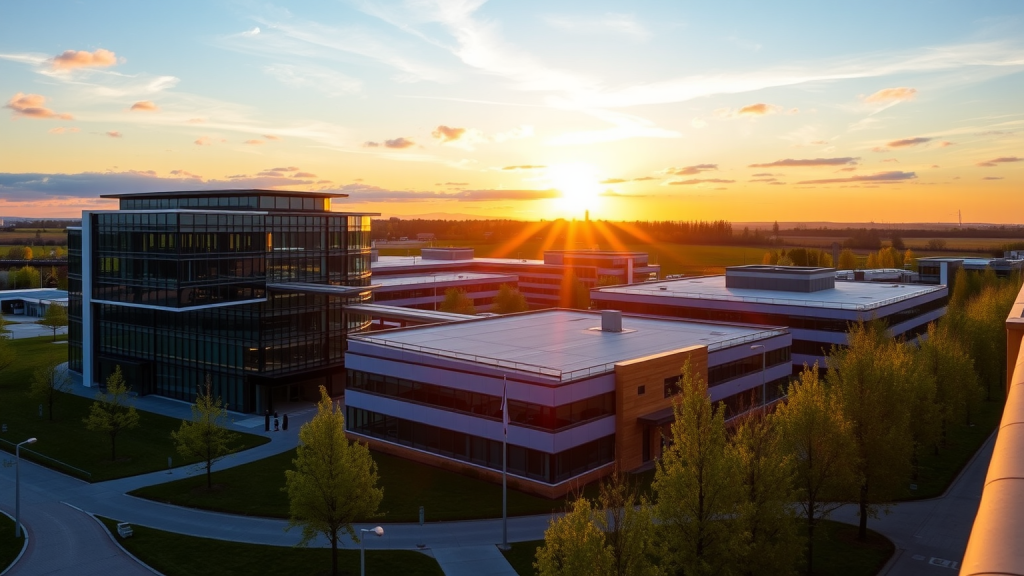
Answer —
544 282
816 309
247 287
32 302
943 270
427 291
586 390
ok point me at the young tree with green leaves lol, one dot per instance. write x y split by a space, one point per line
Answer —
847 260
873 381
628 524
765 514
456 301
814 432
206 436
509 300
697 483
56 316
49 381
574 545
112 412
334 482
944 356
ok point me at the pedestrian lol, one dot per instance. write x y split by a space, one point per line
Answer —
284 424
277 427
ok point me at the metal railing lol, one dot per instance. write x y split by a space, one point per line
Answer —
994 546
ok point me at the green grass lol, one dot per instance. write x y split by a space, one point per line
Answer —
10 546
837 552
175 554
937 471
143 449
256 489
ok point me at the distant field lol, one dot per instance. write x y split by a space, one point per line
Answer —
952 244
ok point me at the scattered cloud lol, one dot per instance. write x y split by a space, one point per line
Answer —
186 174
203 141
689 170
847 169
879 177
525 167
369 144
892 95
254 142
448 134
196 120
759 109
891 160
946 143
303 175
992 178
763 175
399 143
70 59
284 169
613 181
997 161
33 106
272 137
62 130
145 106
700 181
250 33
456 183
763 180
114 134
643 178
906 142
808 162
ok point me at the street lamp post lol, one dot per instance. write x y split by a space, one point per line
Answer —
362 549
17 486
764 397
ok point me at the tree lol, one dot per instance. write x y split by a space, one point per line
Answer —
6 353
56 316
785 261
49 381
574 545
825 260
946 358
509 300
910 259
334 482
765 514
872 261
20 253
897 243
574 293
814 431
697 484
206 437
456 301
847 260
112 411
628 524
770 257
872 380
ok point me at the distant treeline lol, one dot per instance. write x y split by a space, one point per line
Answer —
37 224
887 232
586 233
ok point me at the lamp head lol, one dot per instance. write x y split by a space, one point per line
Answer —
378 531
29 441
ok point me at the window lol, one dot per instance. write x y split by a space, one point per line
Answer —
641 390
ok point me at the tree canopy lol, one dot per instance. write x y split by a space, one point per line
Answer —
206 436
112 412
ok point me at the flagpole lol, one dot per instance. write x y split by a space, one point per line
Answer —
504 465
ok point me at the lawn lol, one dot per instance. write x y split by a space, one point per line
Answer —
65 439
175 554
10 546
836 552
937 471
256 489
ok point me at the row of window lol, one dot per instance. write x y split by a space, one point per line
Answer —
522 461
738 368
428 291
485 405
290 203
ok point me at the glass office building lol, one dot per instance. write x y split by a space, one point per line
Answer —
246 287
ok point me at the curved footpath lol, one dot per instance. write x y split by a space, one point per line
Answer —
930 535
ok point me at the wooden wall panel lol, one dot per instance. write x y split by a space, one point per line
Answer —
650 372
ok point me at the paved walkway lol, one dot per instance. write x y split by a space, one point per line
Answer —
929 535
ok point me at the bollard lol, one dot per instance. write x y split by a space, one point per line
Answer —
266 421
284 423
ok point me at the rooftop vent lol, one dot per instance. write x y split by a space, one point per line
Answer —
611 321
780 278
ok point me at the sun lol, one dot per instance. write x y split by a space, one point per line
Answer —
578 185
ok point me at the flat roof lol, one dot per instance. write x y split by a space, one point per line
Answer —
398 261
226 192
563 344
439 277
845 295
35 294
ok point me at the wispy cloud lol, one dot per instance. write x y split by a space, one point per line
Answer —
996 161
808 162
907 142
448 134
114 134
605 25
880 177
693 181
62 130
309 76
886 95
33 106
525 167
689 170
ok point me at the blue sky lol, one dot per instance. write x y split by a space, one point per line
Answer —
640 110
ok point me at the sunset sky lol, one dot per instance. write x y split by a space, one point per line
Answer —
870 111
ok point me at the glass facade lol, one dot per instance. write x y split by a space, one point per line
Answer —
211 284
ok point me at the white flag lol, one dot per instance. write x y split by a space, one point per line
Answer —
504 406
